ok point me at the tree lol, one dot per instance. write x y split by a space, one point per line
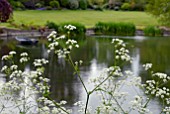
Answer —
160 9
5 11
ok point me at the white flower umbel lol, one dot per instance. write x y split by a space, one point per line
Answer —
70 27
60 46
20 91
147 66
121 53
24 57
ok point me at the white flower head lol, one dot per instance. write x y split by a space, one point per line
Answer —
147 66
12 53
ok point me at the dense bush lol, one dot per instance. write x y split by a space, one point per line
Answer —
52 25
73 4
137 7
125 6
125 29
17 5
64 3
96 2
55 4
152 31
83 4
39 5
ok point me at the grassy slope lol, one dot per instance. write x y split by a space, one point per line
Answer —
88 18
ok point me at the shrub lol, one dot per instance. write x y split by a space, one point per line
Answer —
138 7
73 4
17 5
64 3
125 29
152 31
5 11
83 4
55 4
52 25
49 8
96 2
125 6
39 5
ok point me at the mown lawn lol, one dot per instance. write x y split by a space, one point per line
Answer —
87 17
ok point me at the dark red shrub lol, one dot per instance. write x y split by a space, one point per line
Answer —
5 11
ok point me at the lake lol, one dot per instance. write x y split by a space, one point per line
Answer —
96 52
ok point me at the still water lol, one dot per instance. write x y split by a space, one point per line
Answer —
96 54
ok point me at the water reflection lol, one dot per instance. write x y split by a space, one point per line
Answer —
97 54
136 62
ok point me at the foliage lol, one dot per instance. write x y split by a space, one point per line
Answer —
73 4
55 4
125 29
39 5
49 8
64 3
96 2
125 6
5 11
83 4
138 5
160 9
52 25
17 5
152 31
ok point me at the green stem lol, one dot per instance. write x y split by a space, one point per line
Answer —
100 84
87 101
70 60
147 102
115 101
57 105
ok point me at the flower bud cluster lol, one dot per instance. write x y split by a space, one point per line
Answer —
59 45
24 57
137 104
70 27
49 106
166 110
121 53
9 56
40 62
147 66
153 88
114 71
161 76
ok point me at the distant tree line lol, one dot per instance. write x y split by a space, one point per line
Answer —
138 5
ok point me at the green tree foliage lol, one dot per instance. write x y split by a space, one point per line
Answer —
5 10
125 6
73 4
64 3
83 4
55 4
160 9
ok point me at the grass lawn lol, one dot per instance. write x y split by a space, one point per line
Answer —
87 17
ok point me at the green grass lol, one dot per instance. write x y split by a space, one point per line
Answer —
87 17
